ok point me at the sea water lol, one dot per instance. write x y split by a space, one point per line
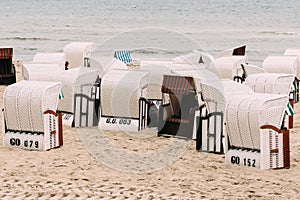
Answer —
267 27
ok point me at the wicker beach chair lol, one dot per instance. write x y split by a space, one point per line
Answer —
286 64
80 88
125 56
177 112
7 69
156 74
281 64
295 94
253 126
30 117
228 67
78 53
123 100
211 135
38 71
50 58
235 51
272 83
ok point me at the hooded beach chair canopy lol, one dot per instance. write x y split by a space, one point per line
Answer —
294 52
121 91
30 119
24 103
228 67
245 114
281 64
234 51
76 52
50 58
125 56
74 80
271 83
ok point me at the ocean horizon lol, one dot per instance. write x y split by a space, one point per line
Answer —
266 27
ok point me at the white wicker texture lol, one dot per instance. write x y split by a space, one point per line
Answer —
227 67
245 114
25 102
121 91
199 75
51 58
253 69
73 81
294 52
217 92
76 52
112 64
156 74
36 71
270 83
281 64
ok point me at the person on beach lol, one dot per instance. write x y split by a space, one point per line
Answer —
66 65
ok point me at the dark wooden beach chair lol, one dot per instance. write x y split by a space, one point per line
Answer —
7 69
177 112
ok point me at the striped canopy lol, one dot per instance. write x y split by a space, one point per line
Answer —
124 56
289 110
6 52
177 84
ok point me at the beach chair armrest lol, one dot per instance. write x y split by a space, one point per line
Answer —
274 129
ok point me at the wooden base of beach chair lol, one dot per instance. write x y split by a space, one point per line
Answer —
273 154
210 132
7 79
114 123
52 137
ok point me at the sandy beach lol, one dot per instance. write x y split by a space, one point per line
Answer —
71 172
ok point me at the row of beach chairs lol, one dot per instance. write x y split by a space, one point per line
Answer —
245 119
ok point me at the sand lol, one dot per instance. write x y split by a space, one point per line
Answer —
71 172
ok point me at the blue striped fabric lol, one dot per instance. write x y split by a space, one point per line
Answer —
124 56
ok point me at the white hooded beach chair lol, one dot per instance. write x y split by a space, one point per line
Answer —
125 56
77 53
295 52
156 74
253 126
123 100
37 71
50 58
228 67
7 68
211 136
177 112
281 64
272 83
30 117
235 51
80 100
